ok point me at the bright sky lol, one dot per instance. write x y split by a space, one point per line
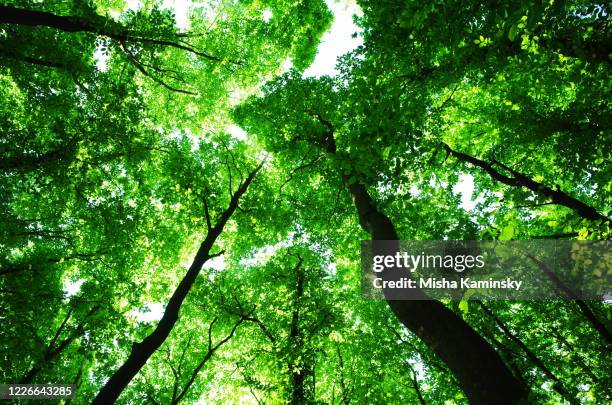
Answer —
338 40
465 187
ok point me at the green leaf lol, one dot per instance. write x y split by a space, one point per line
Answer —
507 232
464 306
513 32
385 152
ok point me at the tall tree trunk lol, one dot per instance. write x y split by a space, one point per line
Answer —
34 18
481 373
141 352
32 162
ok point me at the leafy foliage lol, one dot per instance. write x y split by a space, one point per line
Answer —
116 159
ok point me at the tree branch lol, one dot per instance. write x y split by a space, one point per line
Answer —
521 180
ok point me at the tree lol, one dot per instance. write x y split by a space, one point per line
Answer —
124 174
442 330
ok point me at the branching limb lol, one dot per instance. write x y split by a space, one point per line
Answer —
521 180
132 58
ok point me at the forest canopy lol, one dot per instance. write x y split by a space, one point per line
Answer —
183 206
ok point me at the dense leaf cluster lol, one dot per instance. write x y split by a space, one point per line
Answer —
117 165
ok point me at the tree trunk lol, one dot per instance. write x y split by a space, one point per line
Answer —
481 373
33 18
141 352
52 352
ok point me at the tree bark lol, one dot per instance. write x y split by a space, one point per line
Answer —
34 18
32 162
99 26
141 352
521 180
481 373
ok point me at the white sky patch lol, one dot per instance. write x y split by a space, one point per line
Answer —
216 263
267 15
287 65
101 59
338 40
237 132
154 312
262 255
331 268
419 368
465 187
71 288
134 5
181 12
177 134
